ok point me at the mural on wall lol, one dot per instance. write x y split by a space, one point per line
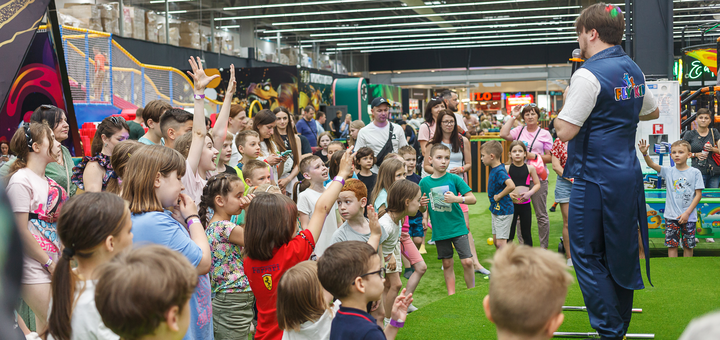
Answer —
315 88
266 87
37 83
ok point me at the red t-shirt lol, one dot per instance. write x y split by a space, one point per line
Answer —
265 275
100 62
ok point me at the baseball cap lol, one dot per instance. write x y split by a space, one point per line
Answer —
378 101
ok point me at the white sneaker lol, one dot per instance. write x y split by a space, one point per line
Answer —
569 263
482 271
710 240
431 242
386 322
411 308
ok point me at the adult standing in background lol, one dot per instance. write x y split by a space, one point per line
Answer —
60 171
451 103
539 142
335 124
427 129
607 99
320 119
381 135
237 122
307 126
344 131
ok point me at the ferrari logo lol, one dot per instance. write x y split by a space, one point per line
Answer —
267 280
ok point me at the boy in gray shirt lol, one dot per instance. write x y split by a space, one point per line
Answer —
351 205
684 188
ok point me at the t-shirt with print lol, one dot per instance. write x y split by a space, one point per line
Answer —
265 275
680 187
158 227
559 150
42 197
376 137
447 218
306 205
496 184
393 234
193 183
543 143
226 271
347 233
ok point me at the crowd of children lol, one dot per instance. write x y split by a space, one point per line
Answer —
221 250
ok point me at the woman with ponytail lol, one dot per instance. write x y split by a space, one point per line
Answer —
233 303
36 201
93 173
94 227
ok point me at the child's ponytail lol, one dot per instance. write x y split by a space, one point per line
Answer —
218 185
85 222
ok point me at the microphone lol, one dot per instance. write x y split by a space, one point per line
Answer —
576 60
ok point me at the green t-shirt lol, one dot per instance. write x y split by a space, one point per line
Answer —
136 130
451 215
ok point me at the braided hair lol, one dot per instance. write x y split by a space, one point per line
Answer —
218 185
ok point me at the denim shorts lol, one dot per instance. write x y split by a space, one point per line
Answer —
562 190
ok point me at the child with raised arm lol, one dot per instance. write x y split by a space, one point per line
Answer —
315 173
145 294
449 228
351 204
500 185
271 247
684 185
527 290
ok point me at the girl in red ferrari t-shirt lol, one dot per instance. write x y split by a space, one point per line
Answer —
271 247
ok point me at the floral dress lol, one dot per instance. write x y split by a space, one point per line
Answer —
103 160
226 272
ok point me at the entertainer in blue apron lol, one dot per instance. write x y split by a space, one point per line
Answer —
607 202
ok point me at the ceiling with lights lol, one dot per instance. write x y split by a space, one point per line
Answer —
375 26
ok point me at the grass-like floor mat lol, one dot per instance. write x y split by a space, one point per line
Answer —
684 288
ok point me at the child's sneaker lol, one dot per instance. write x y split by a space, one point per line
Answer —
386 322
482 271
569 263
411 308
710 240
431 242
408 272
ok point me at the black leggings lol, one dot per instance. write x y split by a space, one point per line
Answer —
524 211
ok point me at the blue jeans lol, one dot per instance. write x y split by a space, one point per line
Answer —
711 182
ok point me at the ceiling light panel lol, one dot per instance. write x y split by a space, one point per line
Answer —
455 43
565 34
423 23
442 34
467 46
294 4
417 16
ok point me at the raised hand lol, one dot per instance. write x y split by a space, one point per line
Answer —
232 84
400 306
372 216
643 146
346 164
200 79
516 111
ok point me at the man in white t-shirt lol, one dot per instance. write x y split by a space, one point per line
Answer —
451 102
375 135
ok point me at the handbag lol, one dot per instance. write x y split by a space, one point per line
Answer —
537 162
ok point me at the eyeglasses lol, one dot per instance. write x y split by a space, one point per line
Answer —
380 272
449 122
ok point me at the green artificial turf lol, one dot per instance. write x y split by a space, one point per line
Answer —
684 288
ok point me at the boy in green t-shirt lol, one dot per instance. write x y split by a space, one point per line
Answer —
442 189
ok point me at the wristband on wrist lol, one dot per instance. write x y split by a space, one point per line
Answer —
193 221
191 216
463 199
397 324
48 263
339 179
